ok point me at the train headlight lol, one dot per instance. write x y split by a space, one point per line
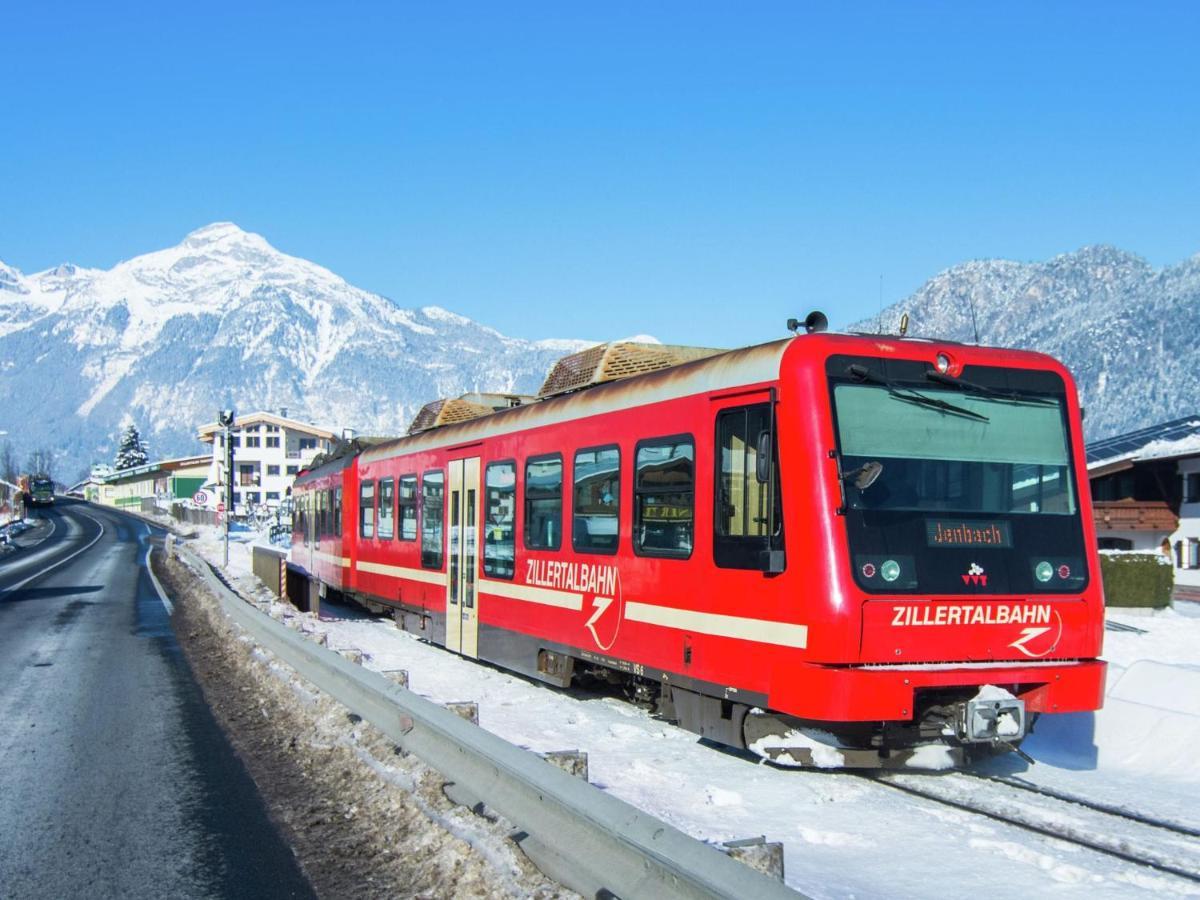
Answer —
890 570
943 363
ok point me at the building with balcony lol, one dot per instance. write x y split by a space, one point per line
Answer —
1146 496
269 450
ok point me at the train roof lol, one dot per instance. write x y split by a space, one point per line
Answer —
758 364
749 365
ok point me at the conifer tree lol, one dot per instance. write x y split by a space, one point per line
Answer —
131 451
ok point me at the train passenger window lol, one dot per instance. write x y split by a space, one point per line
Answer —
664 493
543 502
597 500
387 517
500 515
748 516
433 515
337 512
366 509
407 501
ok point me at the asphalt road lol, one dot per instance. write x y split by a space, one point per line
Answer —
115 781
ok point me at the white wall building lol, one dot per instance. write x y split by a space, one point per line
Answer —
268 452
1146 496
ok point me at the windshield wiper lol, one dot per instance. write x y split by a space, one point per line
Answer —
964 385
908 395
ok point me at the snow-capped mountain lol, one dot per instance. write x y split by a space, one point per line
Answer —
1127 331
226 319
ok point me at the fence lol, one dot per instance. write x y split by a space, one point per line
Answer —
181 513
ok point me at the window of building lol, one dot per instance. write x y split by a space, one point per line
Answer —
1191 487
664 493
235 441
433 514
500 519
253 497
272 470
1112 543
253 441
247 474
273 495
747 511
543 502
387 517
366 509
1193 553
273 441
597 500
407 501
252 428
308 443
272 429
292 470
237 497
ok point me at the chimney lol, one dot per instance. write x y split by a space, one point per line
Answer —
283 412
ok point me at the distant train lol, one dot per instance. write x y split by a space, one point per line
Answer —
833 550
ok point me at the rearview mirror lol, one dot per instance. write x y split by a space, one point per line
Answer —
762 468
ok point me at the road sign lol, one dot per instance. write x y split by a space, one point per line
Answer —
220 509
200 498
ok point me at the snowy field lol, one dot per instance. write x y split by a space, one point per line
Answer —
844 835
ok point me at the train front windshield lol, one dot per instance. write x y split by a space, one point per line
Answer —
957 488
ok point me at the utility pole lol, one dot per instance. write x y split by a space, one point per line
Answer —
225 419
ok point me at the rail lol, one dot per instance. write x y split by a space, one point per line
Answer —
571 826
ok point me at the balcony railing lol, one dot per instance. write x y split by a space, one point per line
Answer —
1134 515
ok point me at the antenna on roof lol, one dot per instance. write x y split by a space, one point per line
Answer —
879 321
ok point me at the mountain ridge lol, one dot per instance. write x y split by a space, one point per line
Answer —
155 338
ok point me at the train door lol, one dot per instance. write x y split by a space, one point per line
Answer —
462 613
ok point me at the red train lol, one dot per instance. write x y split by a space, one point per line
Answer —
834 550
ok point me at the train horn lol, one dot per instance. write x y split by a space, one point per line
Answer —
815 321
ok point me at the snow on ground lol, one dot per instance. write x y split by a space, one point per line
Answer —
845 836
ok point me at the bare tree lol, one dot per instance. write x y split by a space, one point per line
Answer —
8 463
41 462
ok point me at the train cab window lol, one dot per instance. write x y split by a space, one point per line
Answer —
433 515
385 526
366 509
597 500
747 518
407 501
543 502
500 514
664 492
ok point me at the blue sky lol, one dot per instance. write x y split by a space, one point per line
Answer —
697 171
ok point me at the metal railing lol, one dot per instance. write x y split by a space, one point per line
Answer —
571 826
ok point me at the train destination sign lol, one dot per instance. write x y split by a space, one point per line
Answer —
967 533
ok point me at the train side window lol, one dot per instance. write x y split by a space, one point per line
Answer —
543 502
664 495
500 512
407 500
748 516
366 509
597 500
322 514
433 515
337 512
387 518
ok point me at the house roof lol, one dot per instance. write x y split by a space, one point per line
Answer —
1168 440
206 432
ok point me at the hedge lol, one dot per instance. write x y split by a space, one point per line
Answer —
1136 579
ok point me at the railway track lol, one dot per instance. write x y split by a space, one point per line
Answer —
1168 847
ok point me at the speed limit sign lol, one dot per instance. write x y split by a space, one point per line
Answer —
200 498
